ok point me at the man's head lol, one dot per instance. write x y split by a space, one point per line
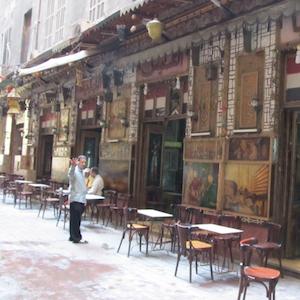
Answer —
94 171
81 161
87 172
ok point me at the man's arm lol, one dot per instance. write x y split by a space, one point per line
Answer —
71 173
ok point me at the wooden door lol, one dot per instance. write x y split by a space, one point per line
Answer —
89 147
45 163
152 165
293 178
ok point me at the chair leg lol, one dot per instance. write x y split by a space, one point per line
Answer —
123 236
279 253
210 263
58 217
190 262
241 287
177 263
147 241
41 206
45 206
130 240
140 241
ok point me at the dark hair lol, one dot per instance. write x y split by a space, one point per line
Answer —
95 170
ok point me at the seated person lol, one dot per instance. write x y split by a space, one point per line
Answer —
88 178
98 184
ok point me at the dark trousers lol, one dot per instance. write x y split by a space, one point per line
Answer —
76 211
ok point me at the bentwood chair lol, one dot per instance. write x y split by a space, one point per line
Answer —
266 276
133 227
168 227
192 249
117 211
103 208
273 244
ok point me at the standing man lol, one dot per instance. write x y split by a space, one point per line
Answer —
77 196
98 184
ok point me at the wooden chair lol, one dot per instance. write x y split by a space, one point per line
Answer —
63 208
132 227
22 194
181 214
49 199
192 249
116 211
224 242
273 244
266 276
103 208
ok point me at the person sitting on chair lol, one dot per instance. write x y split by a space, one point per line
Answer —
88 178
98 184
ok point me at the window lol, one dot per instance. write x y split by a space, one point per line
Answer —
96 10
26 35
6 47
49 23
54 25
59 20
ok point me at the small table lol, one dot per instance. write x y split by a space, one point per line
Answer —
92 200
23 181
154 215
217 229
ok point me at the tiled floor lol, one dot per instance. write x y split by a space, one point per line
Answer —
38 262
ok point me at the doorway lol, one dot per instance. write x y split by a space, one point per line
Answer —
45 165
89 147
292 175
163 164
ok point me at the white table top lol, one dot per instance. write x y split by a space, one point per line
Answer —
2 176
214 228
23 181
39 185
94 197
153 213
64 192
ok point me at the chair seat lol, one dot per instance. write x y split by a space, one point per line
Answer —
26 193
197 245
261 273
266 246
137 226
52 199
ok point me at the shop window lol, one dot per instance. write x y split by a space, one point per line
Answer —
96 10
26 35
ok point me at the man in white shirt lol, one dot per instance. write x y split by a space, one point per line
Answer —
98 184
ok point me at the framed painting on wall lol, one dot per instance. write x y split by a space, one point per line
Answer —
63 125
201 184
246 189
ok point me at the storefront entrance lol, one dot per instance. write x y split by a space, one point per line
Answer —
45 164
163 164
89 146
292 174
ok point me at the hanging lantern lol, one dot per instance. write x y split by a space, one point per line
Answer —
154 28
13 102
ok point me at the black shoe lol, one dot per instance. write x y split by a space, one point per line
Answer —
80 242
70 239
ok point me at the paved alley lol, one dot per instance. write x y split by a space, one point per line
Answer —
38 262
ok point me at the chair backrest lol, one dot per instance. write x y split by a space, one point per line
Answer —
274 232
182 213
211 218
123 200
110 195
246 250
196 215
130 215
230 221
184 234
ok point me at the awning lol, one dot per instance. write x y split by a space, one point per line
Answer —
56 62
133 6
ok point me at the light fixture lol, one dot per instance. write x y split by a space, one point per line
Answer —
54 130
98 101
124 122
154 28
297 59
102 123
192 115
145 89
177 85
80 104
13 102
255 103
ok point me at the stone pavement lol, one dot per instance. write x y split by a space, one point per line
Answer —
38 262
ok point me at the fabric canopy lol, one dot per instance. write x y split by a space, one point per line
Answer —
56 62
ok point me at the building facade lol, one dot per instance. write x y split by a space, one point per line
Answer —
206 116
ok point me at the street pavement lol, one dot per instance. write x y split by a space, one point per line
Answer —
38 262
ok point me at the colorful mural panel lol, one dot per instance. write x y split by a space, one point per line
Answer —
246 189
201 184
251 149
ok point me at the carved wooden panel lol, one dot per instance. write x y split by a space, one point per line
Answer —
205 102
249 85
247 115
